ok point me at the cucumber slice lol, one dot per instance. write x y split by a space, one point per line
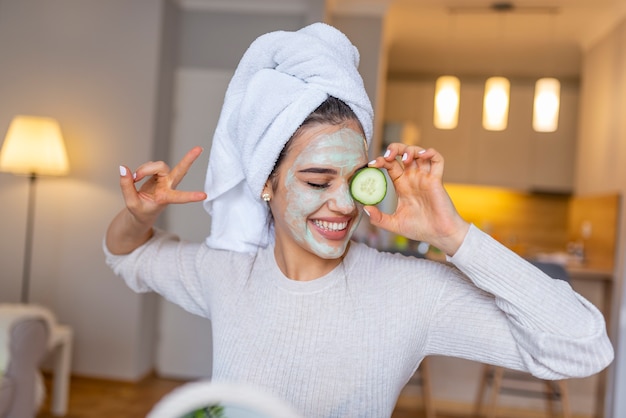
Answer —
369 186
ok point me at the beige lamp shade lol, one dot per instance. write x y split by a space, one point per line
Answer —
34 145
496 104
546 105
447 89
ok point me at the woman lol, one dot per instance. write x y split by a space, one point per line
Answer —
330 325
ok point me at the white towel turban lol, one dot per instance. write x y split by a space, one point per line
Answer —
280 80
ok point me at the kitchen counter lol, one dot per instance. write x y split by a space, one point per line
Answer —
583 272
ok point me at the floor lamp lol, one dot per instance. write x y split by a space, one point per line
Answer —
34 147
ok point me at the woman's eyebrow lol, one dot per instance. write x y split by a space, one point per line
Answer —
322 170
318 170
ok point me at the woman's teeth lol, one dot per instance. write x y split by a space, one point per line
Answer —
331 226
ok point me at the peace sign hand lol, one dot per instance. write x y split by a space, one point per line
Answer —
158 191
133 225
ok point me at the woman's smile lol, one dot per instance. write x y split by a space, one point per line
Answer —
332 230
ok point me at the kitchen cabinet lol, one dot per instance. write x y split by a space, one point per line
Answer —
517 157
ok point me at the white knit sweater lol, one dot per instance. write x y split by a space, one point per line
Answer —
345 345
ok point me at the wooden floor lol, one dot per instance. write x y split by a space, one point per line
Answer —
91 398
94 398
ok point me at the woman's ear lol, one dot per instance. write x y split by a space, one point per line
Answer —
266 193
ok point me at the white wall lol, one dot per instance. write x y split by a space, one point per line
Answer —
93 65
601 167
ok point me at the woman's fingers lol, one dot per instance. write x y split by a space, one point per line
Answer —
180 170
178 173
177 196
151 168
435 161
389 161
381 219
160 187
127 184
399 158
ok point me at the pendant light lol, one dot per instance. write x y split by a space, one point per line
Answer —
447 97
547 95
546 105
497 89
448 87
496 104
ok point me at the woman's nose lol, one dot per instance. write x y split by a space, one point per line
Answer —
342 200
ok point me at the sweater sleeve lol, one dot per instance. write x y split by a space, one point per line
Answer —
500 309
164 265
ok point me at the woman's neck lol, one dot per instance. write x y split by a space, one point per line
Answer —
304 265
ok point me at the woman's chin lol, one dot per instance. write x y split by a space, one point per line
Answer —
330 250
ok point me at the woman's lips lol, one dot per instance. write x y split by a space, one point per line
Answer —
332 230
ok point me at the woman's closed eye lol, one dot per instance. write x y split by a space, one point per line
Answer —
318 178
316 185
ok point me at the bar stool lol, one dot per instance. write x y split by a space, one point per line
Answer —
507 382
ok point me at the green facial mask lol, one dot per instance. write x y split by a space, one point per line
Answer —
344 152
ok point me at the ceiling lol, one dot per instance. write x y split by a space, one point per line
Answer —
468 37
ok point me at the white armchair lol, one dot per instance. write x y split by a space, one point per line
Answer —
24 339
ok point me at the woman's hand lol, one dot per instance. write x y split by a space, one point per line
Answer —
133 225
424 211
158 191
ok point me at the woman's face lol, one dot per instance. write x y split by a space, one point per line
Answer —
311 204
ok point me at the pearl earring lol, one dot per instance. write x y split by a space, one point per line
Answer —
266 197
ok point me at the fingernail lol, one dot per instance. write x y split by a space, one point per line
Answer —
135 176
366 212
421 151
372 162
387 153
122 171
405 156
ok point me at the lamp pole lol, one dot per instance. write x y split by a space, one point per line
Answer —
28 244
